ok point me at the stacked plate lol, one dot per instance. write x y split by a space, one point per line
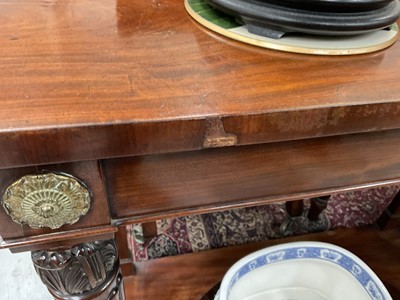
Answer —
301 271
274 18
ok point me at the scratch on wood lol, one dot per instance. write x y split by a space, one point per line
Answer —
215 135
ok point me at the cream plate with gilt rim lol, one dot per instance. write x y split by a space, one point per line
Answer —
46 200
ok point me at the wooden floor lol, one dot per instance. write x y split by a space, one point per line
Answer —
190 276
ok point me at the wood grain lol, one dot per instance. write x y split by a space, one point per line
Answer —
190 276
89 172
157 186
96 79
100 79
60 240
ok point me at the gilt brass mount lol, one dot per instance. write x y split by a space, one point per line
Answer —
46 200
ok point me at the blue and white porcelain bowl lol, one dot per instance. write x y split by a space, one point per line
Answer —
301 271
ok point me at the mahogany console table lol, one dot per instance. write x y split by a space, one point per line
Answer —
157 117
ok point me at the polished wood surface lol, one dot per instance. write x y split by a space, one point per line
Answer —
152 187
59 240
89 80
190 276
101 78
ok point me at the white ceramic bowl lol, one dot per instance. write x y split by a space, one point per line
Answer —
301 271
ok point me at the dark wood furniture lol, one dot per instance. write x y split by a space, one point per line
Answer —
160 117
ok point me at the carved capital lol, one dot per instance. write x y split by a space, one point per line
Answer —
84 270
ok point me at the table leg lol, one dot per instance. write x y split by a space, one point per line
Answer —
86 271
145 232
294 209
317 205
124 253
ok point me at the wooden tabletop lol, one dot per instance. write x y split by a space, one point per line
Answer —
92 79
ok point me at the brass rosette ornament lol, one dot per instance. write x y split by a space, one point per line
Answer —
46 200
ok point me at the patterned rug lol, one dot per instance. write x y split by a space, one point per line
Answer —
245 225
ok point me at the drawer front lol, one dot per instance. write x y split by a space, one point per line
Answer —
52 200
151 187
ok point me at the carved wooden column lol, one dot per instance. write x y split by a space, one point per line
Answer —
87 271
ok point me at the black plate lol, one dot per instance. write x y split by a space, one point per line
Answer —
332 5
270 19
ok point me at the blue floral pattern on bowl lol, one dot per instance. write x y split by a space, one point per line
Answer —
357 270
